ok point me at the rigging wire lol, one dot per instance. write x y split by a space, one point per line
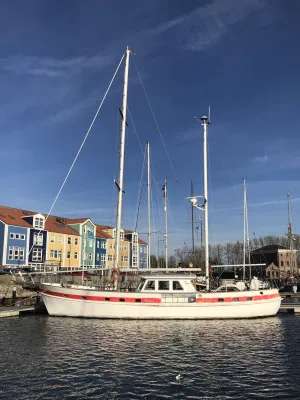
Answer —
155 120
140 193
82 144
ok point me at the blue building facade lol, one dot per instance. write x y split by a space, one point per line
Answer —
37 246
100 252
16 249
143 253
2 234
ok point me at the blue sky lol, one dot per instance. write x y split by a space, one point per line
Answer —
239 57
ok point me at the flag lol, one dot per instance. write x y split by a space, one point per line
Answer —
164 188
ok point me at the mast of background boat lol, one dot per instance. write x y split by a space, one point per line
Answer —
244 252
166 221
247 232
149 199
193 236
290 232
205 122
121 170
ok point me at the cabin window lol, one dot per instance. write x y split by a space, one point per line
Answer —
150 285
177 286
163 285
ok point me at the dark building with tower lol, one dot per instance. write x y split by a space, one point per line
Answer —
280 262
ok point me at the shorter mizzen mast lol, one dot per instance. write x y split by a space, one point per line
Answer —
205 121
121 170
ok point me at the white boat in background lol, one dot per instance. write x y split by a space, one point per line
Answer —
161 296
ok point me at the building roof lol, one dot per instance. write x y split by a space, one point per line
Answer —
102 234
13 216
142 241
269 249
54 224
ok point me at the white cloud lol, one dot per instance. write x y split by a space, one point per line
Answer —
52 67
261 159
204 26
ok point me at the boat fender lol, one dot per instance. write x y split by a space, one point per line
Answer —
115 274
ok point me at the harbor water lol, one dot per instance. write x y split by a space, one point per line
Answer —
44 357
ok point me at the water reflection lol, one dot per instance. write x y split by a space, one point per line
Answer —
99 359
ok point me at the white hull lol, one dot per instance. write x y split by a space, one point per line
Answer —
82 302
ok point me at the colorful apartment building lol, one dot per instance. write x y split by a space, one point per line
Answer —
87 231
28 238
101 246
63 245
143 254
110 246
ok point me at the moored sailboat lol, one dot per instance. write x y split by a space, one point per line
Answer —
160 296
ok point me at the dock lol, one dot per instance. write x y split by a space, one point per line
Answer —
6 312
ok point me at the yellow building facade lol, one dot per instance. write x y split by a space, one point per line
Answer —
63 248
110 248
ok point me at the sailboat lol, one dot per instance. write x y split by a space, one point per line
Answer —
159 295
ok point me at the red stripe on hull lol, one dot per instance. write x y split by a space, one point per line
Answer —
236 298
103 298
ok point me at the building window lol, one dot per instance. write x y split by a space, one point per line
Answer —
145 249
124 258
103 244
124 248
11 253
84 229
288 263
76 241
134 248
60 239
15 253
103 259
39 222
98 257
134 261
22 236
21 253
38 239
12 235
52 239
76 255
68 254
135 238
17 236
98 244
281 263
122 235
69 240
55 254
90 256
37 255
109 257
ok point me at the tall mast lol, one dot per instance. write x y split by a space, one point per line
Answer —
121 170
244 255
166 221
205 122
193 232
290 232
149 199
